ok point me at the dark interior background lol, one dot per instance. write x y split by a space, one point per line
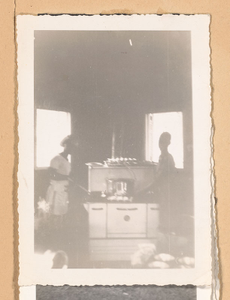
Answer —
103 80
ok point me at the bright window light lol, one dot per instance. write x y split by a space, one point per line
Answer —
156 124
51 128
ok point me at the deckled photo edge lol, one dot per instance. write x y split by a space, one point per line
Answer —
26 144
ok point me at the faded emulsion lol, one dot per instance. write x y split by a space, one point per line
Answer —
121 195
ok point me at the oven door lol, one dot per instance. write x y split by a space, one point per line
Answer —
126 220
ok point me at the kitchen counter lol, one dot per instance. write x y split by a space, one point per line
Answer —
143 198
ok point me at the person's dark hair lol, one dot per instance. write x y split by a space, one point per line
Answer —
69 140
165 138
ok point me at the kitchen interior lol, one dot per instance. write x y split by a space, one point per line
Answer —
112 84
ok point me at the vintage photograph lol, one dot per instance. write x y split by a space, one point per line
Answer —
116 293
113 183
113 147
170 292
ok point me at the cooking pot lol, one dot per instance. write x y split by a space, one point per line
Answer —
120 187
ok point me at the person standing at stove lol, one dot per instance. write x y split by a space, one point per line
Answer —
57 194
165 182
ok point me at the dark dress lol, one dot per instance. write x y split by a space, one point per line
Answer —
165 184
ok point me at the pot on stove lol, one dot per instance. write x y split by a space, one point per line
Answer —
120 187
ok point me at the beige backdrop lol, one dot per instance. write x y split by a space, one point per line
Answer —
220 58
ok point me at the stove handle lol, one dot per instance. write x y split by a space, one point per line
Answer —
134 208
99 208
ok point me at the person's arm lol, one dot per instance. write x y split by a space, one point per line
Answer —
54 175
149 188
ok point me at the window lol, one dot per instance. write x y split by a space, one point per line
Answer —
51 127
158 123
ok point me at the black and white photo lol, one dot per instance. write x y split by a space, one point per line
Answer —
170 292
115 173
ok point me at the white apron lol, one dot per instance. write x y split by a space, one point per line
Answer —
57 195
